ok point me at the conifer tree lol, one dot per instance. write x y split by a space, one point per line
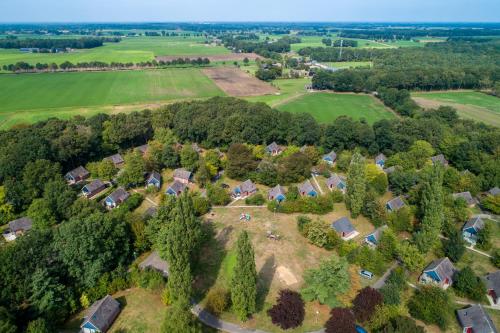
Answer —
244 281
356 184
179 319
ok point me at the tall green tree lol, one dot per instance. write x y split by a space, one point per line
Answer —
133 173
244 281
179 319
356 184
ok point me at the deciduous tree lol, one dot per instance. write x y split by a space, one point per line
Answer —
289 310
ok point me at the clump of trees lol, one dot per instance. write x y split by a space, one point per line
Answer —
432 305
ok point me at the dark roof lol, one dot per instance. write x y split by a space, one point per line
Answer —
79 172
439 159
177 187
331 155
306 187
119 195
116 159
443 267
494 191
476 318
277 190
22 224
378 233
102 313
154 175
390 169
273 147
380 157
150 212
466 196
143 149
182 174
335 180
343 225
492 281
396 203
94 185
476 222
247 186
154 261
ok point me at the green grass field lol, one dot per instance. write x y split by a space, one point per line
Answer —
31 97
326 107
349 64
288 89
469 104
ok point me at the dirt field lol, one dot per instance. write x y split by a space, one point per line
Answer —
235 82
215 58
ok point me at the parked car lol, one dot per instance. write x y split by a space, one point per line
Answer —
366 274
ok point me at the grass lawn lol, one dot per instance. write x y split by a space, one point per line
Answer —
469 104
32 97
326 107
288 90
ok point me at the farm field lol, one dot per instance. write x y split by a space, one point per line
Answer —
469 104
326 107
236 82
349 64
31 97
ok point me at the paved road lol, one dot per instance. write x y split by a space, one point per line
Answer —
381 282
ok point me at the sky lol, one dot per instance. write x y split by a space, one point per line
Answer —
249 10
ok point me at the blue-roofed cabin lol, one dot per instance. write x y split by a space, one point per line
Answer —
380 160
277 193
154 179
471 229
330 158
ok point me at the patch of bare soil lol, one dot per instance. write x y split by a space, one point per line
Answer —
235 82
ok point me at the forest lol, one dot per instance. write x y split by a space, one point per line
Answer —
50 43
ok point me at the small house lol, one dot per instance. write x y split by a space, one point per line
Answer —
245 189
344 228
307 189
380 160
374 238
274 149
439 159
154 262
395 204
182 176
176 188
143 149
276 193
465 196
330 158
101 315
154 179
150 212
116 198
475 320
494 191
336 182
471 229
492 282
93 188
439 272
116 159
390 170
17 228
197 148
77 175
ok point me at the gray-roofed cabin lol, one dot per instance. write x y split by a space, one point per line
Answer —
494 191
101 315
143 149
182 176
116 159
374 238
395 204
492 282
276 193
336 182
439 159
77 175
330 158
154 179
465 196
116 198
380 160
390 170
93 188
475 319
176 188
17 228
471 229
307 189
439 272
245 189
344 228
153 261
274 149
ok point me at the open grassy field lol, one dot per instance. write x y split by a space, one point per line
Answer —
349 64
31 97
469 104
326 107
288 89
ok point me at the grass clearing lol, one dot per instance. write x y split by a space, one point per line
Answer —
350 64
326 107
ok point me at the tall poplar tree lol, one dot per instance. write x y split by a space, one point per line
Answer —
356 184
244 281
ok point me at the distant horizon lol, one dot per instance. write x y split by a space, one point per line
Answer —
243 22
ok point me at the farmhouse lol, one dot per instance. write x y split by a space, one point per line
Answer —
101 315
492 282
344 228
93 188
17 228
116 159
395 204
77 175
274 149
336 182
143 149
475 320
494 191
373 238
330 158
439 159
116 198
245 189
176 188
471 228
154 179
153 261
466 196
182 176
439 272
276 193
307 189
380 160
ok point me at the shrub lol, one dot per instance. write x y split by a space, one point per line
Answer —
454 246
289 310
432 305
401 220
132 202
496 258
382 315
148 279
256 199
467 284
319 205
341 321
369 259
365 303
302 222
217 301
165 297
217 195
201 205
402 324
484 238
337 196
320 234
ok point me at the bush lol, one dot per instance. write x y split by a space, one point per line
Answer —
217 195
148 279
401 220
217 301
132 202
484 238
368 259
289 310
320 234
337 196
320 205
365 303
302 222
432 305
468 285
496 258
402 324
256 199
454 246
382 315
341 321
201 205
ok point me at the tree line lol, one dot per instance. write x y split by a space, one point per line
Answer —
56 43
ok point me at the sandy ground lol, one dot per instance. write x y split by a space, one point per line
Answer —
235 82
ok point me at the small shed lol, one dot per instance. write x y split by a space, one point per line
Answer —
101 315
344 228
395 204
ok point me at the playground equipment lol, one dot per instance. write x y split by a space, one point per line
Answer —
245 217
